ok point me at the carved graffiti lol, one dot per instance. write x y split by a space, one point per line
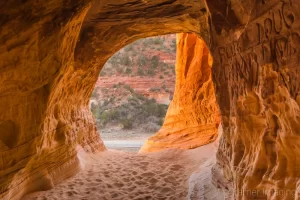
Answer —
262 42
284 50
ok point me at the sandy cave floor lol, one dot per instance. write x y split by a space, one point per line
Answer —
117 175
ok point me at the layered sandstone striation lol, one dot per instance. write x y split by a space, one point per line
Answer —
192 118
51 53
45 121
141 85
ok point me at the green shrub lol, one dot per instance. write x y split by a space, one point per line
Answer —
104 90
142 60
95 110
158 41
140 97
112 100
127 123
109 115
102 73
150 72
129 88
173 45
161 110
154 89
106 102
95 94
160 121
128 70
125 60
129 47
173 70
161 77
154 62
140 72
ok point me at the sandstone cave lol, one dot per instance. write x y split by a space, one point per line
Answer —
132 95
52 52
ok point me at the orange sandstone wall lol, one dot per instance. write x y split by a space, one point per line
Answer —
51 53
256 51
45 121
192 118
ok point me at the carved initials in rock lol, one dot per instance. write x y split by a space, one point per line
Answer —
284 50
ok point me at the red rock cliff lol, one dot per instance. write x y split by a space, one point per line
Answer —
192 118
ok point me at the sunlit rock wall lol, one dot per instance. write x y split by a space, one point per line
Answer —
192 118
256 73
45 121
51 53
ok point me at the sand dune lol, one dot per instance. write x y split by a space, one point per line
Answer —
120 175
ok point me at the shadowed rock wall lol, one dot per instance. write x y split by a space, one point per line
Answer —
192 118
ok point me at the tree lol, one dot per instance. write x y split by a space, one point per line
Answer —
95 110
142 60
95 94
128 70
125 60
127 123
154 62
140 72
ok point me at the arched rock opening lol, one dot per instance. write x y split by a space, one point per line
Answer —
45 91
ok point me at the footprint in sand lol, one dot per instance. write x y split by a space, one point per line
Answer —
148 174
153 180
126 180
175 167
118 184
169 179
134 173
119 176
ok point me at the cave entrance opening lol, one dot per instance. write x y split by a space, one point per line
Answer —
133 92
134 88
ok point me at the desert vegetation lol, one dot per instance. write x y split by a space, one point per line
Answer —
117 103
133 111
143 58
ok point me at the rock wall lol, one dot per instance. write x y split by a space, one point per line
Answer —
44 118
256 53
50 56
192 118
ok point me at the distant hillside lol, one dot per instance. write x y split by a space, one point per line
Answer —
150 57
136 85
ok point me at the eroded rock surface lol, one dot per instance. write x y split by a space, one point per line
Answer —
256 74
192 118
50 56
